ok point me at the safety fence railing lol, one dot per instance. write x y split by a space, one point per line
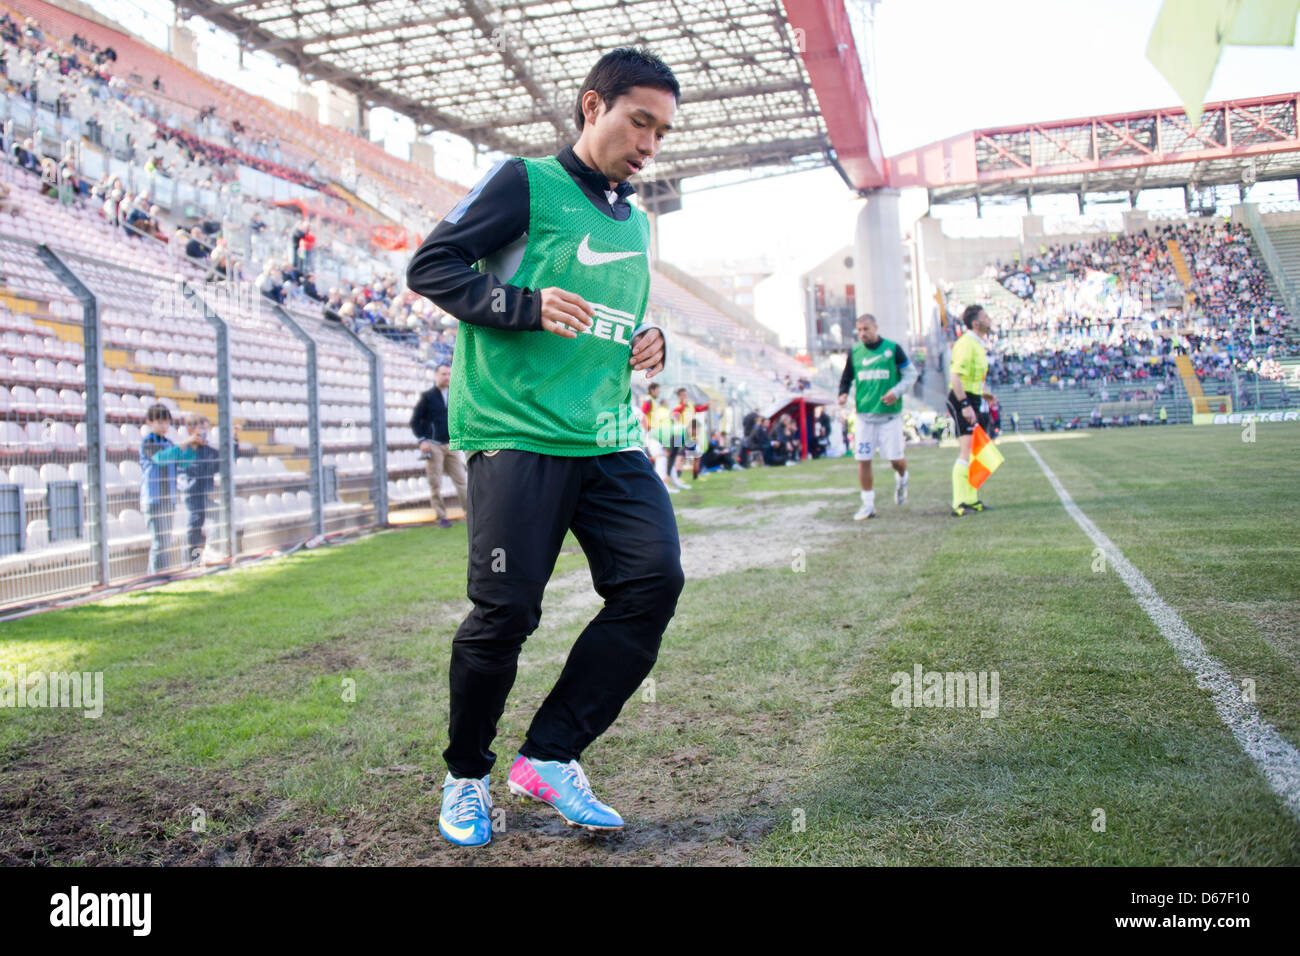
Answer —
408 483
1290 297
350 435
51 537
154 423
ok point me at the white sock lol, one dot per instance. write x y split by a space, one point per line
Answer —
868 499
899 479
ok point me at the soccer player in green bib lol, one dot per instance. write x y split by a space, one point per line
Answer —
968 403
879 373
546 265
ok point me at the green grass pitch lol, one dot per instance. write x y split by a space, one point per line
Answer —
294 711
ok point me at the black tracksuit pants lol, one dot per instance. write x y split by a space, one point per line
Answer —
520 506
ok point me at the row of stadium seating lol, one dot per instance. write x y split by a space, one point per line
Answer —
304 141
157 348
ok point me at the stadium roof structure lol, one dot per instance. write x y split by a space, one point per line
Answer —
769 83
1236 142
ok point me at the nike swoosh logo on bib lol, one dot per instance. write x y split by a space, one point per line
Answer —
589 258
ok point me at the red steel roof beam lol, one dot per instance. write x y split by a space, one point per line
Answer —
829 54
952 161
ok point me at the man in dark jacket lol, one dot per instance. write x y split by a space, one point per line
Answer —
719 454
309 287
778 451
429 422
823 432
758 439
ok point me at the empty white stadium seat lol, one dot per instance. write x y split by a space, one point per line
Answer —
22 400
66 438
74 403
48 402
12 437
27 476
130 471
40 438
113 439
52 472
132 522
38 534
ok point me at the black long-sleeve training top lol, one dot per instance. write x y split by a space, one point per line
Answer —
494 215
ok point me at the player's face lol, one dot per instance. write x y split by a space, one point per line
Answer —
867 332
982 323
624 138
442 377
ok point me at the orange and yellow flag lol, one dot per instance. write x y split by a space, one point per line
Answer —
984 457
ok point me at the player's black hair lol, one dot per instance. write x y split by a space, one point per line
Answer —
618 71
968 317
158 412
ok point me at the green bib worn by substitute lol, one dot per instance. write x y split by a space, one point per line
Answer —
537 391
874 373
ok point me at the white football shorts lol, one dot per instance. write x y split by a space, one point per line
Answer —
884 439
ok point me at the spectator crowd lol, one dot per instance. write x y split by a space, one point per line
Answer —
1114 311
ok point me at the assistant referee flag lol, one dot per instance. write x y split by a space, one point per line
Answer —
984 457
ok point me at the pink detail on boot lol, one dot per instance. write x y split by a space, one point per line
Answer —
523 774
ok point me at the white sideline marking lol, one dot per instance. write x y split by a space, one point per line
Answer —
1272 753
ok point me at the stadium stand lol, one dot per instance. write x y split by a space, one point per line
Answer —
305 143
132 183
1165 315
1283 232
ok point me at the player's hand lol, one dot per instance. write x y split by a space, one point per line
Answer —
426 447
843 398
968 413
889 397
565 313
648 352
